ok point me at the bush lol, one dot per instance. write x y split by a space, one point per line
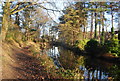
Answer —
81 43
112 46
93 46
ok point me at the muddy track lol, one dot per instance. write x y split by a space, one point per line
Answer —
24 66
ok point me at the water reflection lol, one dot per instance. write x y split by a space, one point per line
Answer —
54 52
93 74
93 68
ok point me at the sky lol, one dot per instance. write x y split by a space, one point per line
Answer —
0 9
55 15
0 14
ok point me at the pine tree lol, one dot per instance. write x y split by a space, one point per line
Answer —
71 22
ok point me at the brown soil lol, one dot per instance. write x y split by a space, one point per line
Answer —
18 63
110 58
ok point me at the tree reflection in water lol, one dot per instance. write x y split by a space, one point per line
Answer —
93 68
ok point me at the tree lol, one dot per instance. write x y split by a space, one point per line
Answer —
7 11
32 18
113 8
95 32
91 29
5 23
119 23
102 17
71 22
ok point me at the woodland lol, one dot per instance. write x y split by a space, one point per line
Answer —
48 40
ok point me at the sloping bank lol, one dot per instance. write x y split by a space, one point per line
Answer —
26 63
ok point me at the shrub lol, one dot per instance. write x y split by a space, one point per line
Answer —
81 43
112 46
93 46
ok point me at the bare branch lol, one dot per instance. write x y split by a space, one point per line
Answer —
20 9
13 11
52 18
54 5
48 9
14 8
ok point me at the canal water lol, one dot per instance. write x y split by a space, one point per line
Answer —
92 68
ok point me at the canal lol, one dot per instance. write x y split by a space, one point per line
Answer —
92 68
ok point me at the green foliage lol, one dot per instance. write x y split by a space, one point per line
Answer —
14 35
70 74
71 22
115 71
9 35
24 38
112 31
93 46
81 43
17 36
112 46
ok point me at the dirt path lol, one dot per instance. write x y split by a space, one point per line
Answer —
23 66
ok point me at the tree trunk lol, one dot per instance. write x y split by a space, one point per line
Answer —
99 30
119 23
86 36
112 29
5 21
84 33
95 34
17 19
73 38
102 35
91 30
119 35
100 25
